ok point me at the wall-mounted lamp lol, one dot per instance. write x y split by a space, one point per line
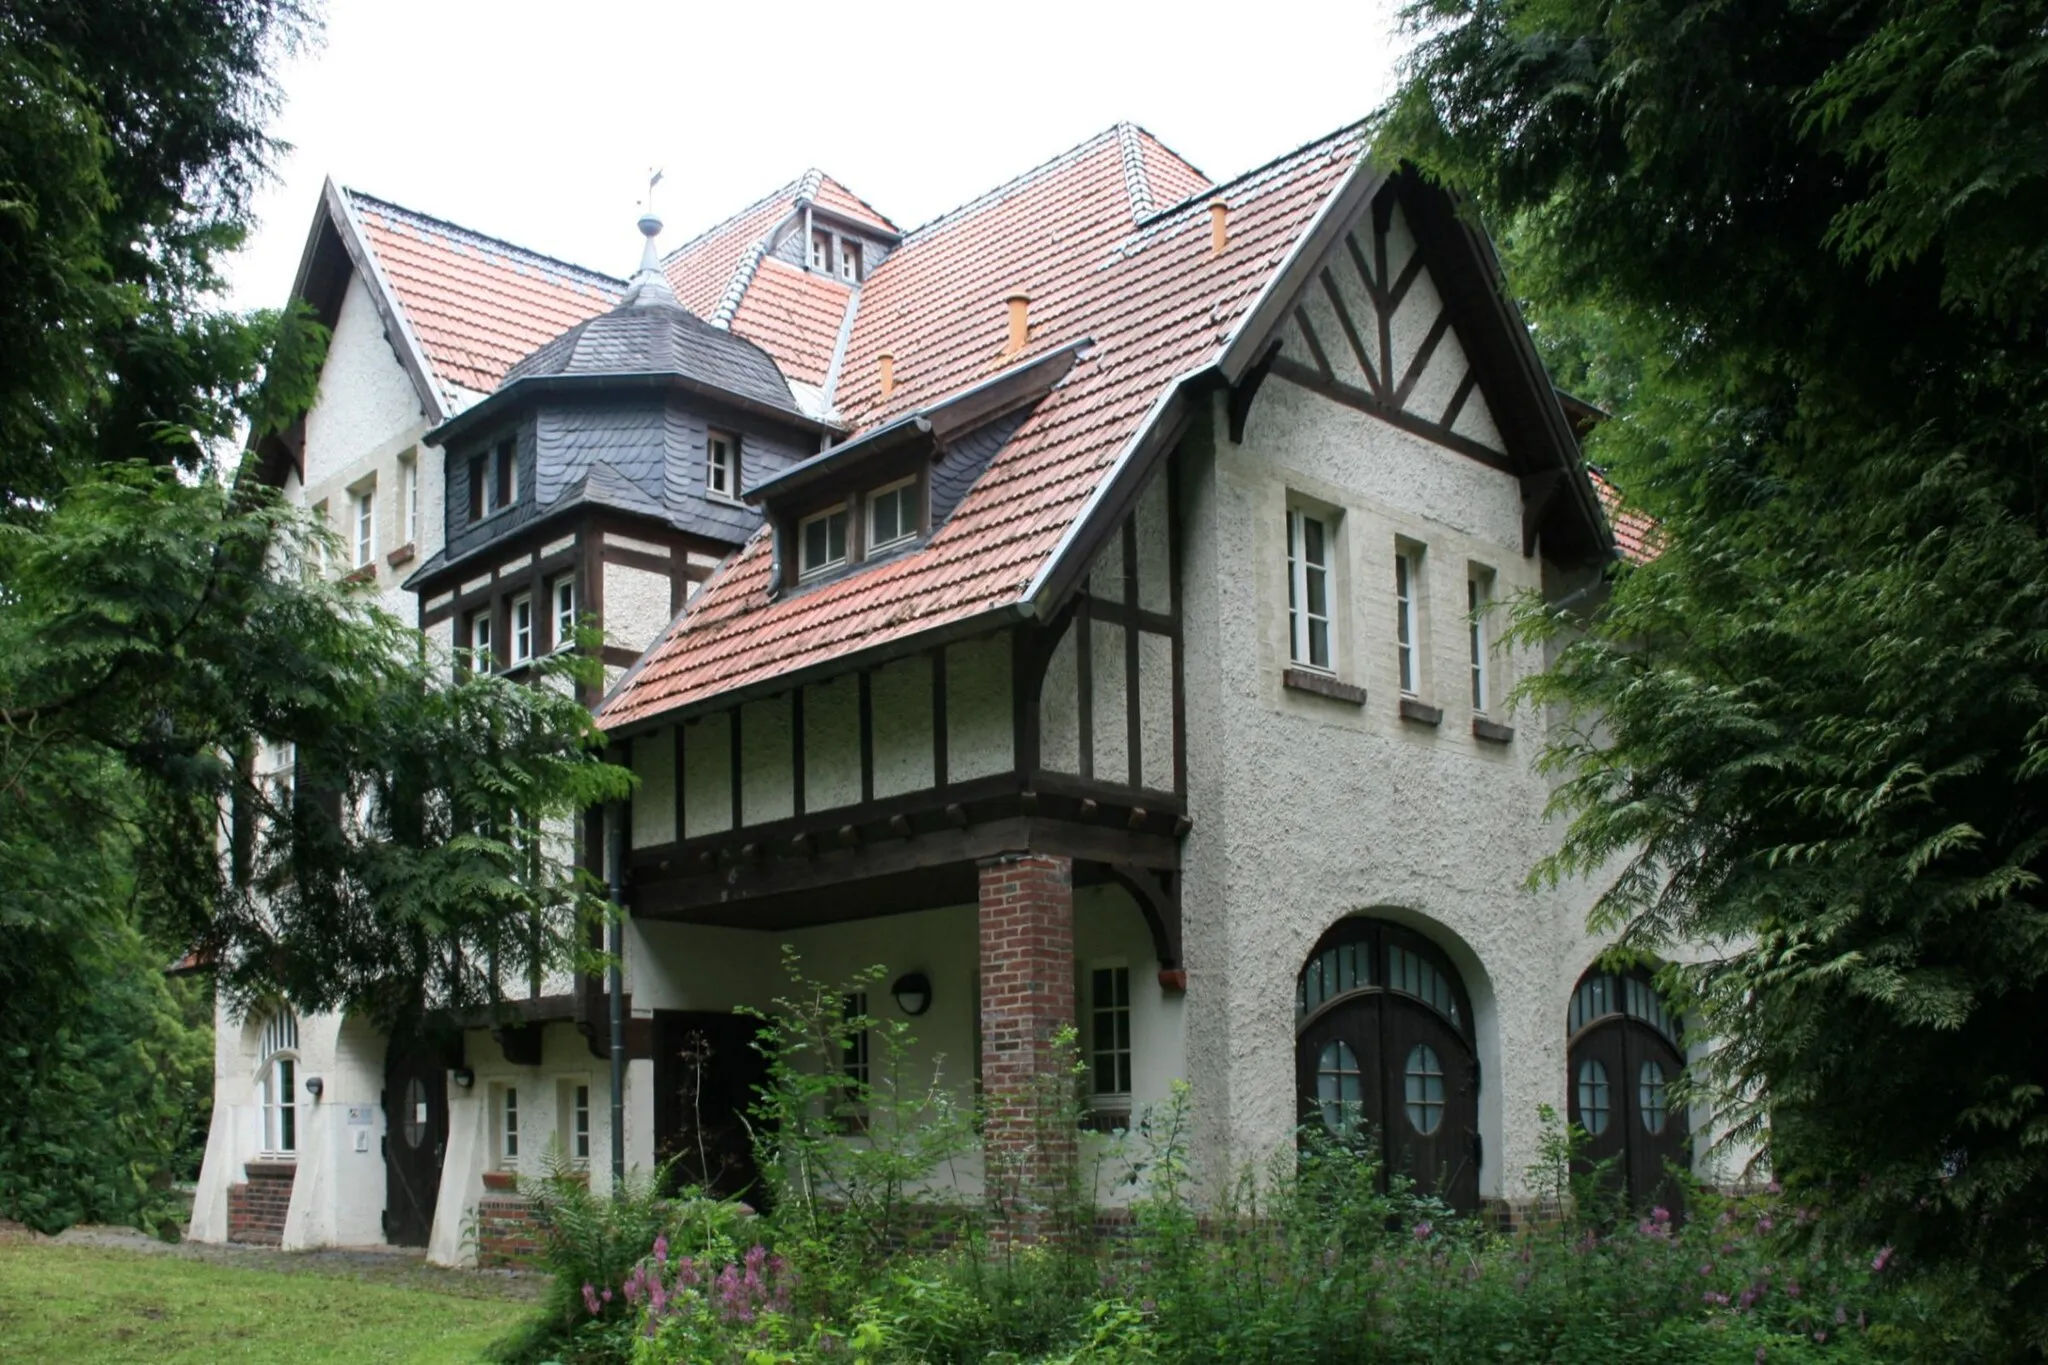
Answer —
913 992
464 1077
314 1085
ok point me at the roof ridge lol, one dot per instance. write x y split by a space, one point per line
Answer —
1135 182
1071 154
736 287
359 197
722 224
1263 168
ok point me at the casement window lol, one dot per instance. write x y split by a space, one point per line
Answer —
278 1085
477 641
493 480
1477 591
522 630
722 465
365 521
1109 1034
563 595
892 515
1407 588
849 260
821 250
409 498
575 1110
508 1126
1309 561
821 542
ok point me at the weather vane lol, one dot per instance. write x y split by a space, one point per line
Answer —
653 179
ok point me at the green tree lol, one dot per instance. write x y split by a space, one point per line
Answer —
1811 730
206 748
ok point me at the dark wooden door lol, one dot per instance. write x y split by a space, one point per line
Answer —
415 1138
1432 1103
1622 1068
707 1075
1337 1070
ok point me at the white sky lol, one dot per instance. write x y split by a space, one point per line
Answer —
538 123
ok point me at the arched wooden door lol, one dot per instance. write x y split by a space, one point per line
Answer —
1624 1058
1383 1050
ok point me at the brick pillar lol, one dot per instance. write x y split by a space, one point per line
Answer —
1027 994
257 1207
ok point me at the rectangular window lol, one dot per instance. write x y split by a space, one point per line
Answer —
280 1106
1308 590
479 486
493 480
481 659
821 542
1406 585
409 498
722 465
366 526
849 261
892 515
821 249
508 1127
505 476
579 1125
522 630
1109 1030
1482 682
565 611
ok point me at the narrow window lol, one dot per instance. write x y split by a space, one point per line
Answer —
409 496
480 656
508 1127
821 542
1109 1031
1405 585
1308 589
892 515
821 249
579 1126
479 486
565 611
1475 594
522 630
722 465
280 1084
366 526
849 260
505 477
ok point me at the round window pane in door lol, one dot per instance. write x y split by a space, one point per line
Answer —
1595 1101
415 1125
1423 1082
1340 1090
1653 1096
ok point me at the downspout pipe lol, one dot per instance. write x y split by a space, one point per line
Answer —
615 945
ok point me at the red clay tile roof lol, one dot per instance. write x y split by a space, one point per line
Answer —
476 304
1159 308
701 269
795 316
1635 535
836 197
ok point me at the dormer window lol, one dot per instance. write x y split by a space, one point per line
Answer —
892 515
493 480
849 260
722 465
821 250
821 542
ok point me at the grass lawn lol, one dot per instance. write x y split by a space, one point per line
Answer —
83 1303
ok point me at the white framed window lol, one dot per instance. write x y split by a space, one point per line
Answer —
892 514
409 498
1311 637
1109 1031
493 480
821 542
508 1126
481 657
522 629
849 260
821 249
574 1108
1478 588
563 596
1407 589
722 465
278 1084
365 523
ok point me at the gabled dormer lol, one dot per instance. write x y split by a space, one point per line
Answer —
885 493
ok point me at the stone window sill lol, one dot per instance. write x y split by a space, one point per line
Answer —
1323 685
1421 712
404 554
1491 731
271 1165
366 574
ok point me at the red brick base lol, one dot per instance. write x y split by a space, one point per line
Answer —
257 1207
1027 994
506 1233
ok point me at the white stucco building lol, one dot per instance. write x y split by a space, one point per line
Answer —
1083 607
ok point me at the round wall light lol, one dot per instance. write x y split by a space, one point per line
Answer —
913 992
463 1077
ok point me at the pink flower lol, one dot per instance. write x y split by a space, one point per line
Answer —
1660 1214
1882 1259
1423 1230
590 1299
661 1249
1791 1289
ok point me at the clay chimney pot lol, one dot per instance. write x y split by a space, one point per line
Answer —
1219 227
1020 321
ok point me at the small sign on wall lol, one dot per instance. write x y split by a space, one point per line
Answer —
362 1116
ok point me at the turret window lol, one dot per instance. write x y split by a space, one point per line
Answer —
722 465
565 611
821 542
478 645
493 480
522 630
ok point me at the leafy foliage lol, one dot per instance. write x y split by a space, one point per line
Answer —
1810 733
